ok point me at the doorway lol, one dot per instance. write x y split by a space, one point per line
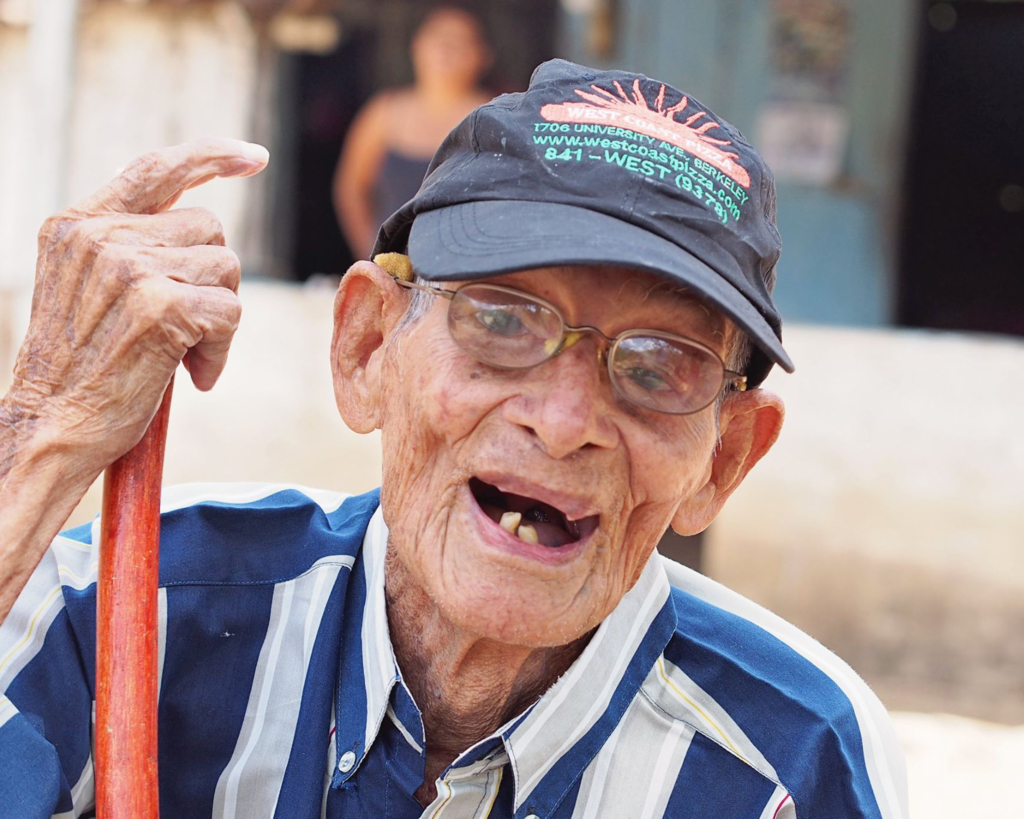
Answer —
328 90
962 254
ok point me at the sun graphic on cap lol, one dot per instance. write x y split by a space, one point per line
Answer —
655 120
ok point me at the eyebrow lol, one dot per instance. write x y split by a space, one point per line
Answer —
679 293
718 323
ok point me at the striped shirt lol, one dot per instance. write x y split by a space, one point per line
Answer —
280 695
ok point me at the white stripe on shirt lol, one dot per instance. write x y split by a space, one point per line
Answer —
623 634
674 692
251 781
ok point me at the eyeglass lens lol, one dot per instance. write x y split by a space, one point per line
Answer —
511 330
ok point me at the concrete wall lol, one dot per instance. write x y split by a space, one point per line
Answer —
14 152
889 520
144 77
152 76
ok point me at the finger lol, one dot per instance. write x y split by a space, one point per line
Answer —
200 266
183 227
194 184
121 269
155 180
216 312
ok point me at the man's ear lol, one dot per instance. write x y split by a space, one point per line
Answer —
367 308
750 423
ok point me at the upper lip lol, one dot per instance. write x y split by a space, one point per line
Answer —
574 507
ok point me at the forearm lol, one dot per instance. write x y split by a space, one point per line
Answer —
40 485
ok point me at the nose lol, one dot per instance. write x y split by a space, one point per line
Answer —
567 402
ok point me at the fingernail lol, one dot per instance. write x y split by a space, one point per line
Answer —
255 153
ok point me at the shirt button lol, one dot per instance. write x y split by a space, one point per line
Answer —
348 759
533 816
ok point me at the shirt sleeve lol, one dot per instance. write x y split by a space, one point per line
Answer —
47 662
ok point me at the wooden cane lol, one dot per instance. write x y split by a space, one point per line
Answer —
126 629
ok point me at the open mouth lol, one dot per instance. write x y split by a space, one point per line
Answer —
529 519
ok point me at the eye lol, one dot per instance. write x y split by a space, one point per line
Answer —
648 379
500 321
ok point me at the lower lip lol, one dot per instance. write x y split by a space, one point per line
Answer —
493 535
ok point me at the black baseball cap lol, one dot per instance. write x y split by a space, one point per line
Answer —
590 167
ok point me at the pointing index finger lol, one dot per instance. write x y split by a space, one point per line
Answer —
154 181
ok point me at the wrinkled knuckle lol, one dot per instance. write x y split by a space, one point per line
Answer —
53 229
146 165
140 173
90 247
233 312
214 227
117 265
78 244
158 303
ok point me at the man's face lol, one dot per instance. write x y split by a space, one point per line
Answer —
464 441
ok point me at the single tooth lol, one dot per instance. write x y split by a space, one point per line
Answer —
510 521
527 533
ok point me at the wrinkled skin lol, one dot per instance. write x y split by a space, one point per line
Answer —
124 290
557 428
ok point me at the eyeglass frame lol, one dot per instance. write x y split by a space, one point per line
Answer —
730 378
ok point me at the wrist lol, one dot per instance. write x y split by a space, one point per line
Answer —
31 444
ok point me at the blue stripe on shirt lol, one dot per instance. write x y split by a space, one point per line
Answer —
790 709
715 783
35 763
264 541
350 704
203 703
52 693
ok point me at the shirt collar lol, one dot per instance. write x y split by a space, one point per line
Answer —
557 737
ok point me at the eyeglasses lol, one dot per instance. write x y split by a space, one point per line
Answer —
514 330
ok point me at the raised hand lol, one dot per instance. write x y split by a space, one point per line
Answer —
125 289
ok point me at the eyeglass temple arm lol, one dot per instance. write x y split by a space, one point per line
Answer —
426 288
398 266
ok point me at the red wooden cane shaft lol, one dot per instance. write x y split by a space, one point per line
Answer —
126 629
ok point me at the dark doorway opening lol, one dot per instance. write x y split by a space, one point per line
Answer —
962 255
328 90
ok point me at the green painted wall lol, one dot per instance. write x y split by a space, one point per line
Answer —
839 242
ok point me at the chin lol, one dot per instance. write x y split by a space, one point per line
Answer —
502 588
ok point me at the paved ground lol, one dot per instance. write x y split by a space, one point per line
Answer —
959 768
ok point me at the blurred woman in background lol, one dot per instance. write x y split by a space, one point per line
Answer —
393 137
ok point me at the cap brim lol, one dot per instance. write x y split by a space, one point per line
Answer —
480 239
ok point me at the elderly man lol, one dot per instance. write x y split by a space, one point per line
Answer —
572 368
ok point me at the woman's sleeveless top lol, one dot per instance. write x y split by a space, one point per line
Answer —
397 182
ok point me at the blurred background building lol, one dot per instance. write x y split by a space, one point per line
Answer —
888 522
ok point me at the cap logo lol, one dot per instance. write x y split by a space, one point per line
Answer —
658 122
